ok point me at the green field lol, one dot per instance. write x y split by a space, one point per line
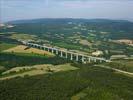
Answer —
91 83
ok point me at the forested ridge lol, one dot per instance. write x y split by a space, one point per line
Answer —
117 28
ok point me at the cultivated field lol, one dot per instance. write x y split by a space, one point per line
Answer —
25 49
22 36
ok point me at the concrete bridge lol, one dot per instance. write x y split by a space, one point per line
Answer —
66 54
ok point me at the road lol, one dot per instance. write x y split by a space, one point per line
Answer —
117 70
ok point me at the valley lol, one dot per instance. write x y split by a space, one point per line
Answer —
31 73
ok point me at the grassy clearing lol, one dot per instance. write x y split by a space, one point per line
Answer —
25 49
35 70
90 83
4 46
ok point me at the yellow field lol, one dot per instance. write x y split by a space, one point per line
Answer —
37 70
22 49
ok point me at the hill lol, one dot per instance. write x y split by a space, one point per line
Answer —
117 28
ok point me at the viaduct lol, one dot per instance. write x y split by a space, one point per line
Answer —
66 54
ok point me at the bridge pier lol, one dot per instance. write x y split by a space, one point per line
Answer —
66 54
83 59
95 60
43 48
71 56
57 52
38 47
35 45
89 60
48 50
52 50
61 54
77 57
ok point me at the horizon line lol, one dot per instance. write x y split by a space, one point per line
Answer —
69 18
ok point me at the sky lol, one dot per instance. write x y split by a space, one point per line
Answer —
89 9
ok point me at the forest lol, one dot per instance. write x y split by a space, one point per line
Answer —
94 82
